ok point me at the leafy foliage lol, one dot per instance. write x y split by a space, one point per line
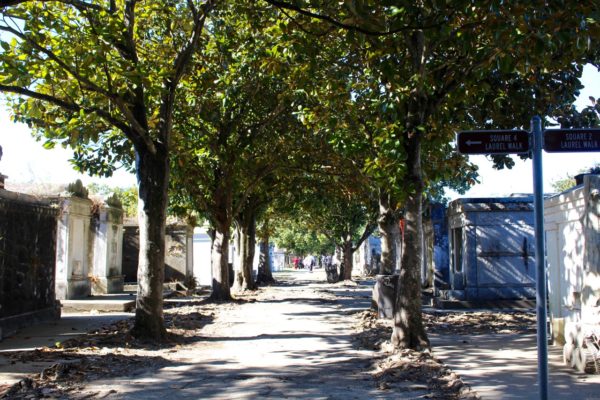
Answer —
568 116
240 130
127 196
102 78
300 238
77 189
77 74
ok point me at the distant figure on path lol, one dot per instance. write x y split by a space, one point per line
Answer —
309 262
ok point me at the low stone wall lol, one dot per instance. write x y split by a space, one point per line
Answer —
27 261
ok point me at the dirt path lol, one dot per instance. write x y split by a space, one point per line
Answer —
300 339
295 341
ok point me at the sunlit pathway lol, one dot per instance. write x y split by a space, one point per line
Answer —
501 366
294 342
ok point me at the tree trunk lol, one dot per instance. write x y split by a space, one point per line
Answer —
238 258
247 242
220 265
264 274
409 331
264 263
399 242
248 266
347 261
389 231
153 180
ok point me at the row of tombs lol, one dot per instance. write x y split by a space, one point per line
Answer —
481 252
478 250
64 248
490 256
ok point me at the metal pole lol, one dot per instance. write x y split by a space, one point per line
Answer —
540 262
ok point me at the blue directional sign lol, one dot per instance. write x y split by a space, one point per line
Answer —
493 142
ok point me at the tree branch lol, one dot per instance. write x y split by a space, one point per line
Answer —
193 9
79 4
180 65
303 29
339 24
368 231
89 84
128 50
136 132
67 105
268 169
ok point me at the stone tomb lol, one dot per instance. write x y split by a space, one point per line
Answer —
491 249
572 225
89 248
73 252
179 243
107 237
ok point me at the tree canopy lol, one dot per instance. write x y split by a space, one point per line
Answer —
102 78
238 104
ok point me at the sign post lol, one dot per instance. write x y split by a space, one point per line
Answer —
517 142
540 282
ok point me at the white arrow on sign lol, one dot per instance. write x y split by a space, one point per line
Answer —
470 142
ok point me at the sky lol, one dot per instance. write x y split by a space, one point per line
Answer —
26 161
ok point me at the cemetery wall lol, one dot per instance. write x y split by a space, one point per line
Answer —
27 261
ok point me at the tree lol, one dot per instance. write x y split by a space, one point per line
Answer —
246 231
429 61
562 184
298 238
103 78
127 196
264 233
340 205
238 132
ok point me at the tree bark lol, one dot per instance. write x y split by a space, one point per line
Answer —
153 180
248 265
238 257
247 242
347 261
264 275
399 242
389 231
409 331
220 265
